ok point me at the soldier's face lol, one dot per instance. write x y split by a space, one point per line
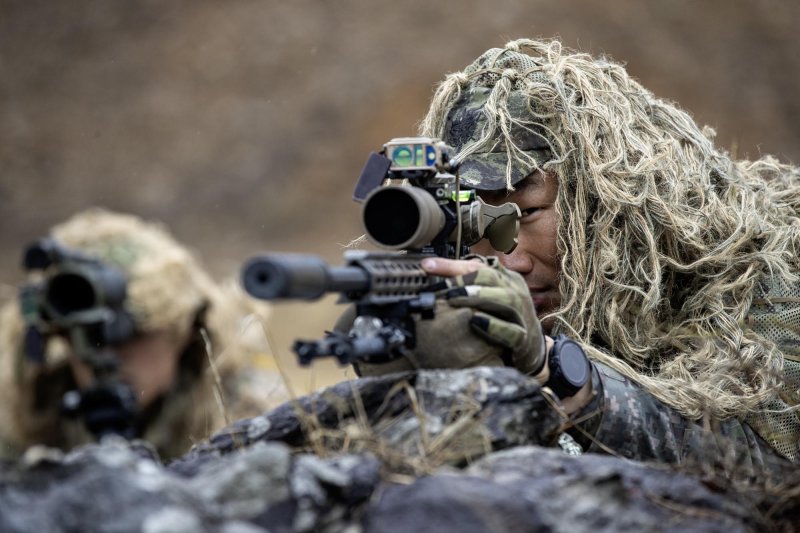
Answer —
149 364
536 256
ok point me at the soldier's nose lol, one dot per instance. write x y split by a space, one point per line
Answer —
518 261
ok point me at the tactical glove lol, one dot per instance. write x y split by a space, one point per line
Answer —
485 318
503 313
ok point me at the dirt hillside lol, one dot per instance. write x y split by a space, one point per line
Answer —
244 124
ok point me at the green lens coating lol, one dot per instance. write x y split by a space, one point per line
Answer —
463 196
403 156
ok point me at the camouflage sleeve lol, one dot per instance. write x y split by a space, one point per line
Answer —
625 420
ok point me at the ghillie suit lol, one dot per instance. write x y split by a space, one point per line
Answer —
222 373
679 265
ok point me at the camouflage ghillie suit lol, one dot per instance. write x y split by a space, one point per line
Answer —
678 265
223 372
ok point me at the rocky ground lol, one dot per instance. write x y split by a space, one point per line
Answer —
468 451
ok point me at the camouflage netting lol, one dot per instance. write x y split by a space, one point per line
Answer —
168 293
664 239
166 286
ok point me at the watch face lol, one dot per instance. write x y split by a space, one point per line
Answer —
574 364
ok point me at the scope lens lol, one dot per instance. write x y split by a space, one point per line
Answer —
391 216
68 293
430 155
419 154
403 156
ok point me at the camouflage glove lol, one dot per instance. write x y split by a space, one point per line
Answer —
485 318
449 328
503 313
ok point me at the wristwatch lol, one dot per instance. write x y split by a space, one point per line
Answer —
569 367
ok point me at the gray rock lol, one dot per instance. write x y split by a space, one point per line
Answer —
245 483
463 414
471 461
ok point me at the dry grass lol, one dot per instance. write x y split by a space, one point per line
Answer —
409 444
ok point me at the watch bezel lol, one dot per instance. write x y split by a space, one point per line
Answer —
564 384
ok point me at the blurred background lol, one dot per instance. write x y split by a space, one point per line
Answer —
244 124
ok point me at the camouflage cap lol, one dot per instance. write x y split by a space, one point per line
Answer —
473 121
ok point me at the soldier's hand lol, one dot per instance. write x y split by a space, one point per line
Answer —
501 306
484 317
447 341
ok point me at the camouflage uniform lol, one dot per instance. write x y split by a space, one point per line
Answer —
224 372
622 417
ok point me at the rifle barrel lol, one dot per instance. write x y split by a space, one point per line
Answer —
299 276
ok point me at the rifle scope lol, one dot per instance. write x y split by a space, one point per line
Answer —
78 287
397 218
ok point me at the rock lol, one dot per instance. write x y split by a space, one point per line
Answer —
536 489
436 416
431 451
